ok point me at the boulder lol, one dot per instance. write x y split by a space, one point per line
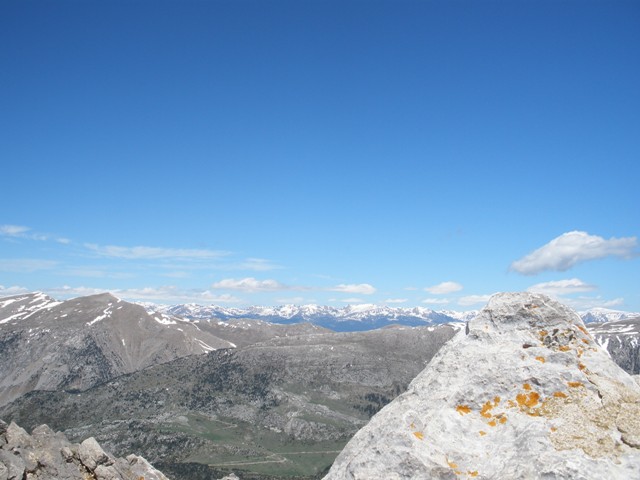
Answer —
523 393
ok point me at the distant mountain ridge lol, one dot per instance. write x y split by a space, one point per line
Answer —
352 317
348 318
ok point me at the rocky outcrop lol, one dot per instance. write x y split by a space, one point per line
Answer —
46 455
524 393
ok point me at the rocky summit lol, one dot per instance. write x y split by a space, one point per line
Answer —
46 455
523 393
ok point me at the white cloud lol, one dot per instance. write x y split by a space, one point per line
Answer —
561 287
20 231
396 300
587 303
473 300
249 284
293 301
10 291
571 248
176 274
163 294
444 288
67 291
26 265
258 265
13 230
142 252
360 288
89 271
436 301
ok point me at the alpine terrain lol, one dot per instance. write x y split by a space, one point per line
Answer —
524 393
76 344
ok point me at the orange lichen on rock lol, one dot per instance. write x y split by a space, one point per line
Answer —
486 408
482 433
528 400
452 464
583 330
526 386
575 384
584 340
419 435
492 423
463 409
564 348
559 395
472 473
581 366
553 429
541 359
503 420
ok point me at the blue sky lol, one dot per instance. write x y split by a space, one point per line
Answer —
413 153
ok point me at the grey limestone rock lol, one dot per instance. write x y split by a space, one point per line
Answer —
92 455
46 455
17 437
524 393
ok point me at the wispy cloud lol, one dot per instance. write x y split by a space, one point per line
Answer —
258 265
473 300
561 287
396 300
444 288
293 301
20 231
94 272
571 248
153 253
13 230
26 265
352 300
250 284
587 303
436 301
359 288
162 293
10 291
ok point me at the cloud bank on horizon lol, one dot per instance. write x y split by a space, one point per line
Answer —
560 254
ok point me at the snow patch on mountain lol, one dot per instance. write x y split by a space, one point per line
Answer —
600 315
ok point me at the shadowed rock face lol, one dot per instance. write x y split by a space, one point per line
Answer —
46 455
525 392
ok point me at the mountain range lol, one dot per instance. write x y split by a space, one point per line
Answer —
261 392
351 317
